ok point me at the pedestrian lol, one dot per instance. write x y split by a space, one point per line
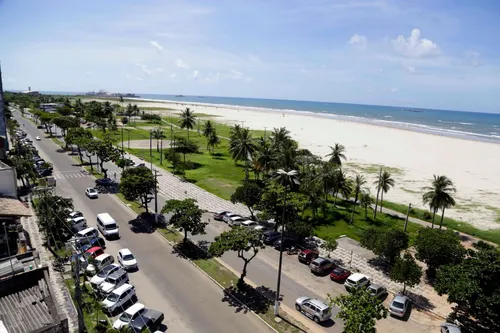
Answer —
114 175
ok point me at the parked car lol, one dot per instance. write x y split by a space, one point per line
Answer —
78 223
127 259
129 315
104 182
92 241
113 281
99 278
227 216
269 237
92 253
321 265
38 138
89 232
377 290
119 297
313 308
450 328
236 221
249 224
307 255
339 274
99 262
399 306
356 280
287 243
74 214
219 216
151 319
91 193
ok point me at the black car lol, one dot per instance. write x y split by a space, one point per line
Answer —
148 321
96 241
104 182
287 243
44 172
269 237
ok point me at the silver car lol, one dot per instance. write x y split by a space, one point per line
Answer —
450 328
313 308
377 290
399 306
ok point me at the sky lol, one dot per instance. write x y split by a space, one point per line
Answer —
431 54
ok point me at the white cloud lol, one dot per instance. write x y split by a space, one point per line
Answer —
181 64
254 58
156 45
473 58
414 46
358 40
195 74
394 90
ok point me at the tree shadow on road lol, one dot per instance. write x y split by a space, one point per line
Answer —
380 265
187 249
420 301
140 226
467 324
253 299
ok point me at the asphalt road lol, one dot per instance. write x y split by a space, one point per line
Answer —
166 282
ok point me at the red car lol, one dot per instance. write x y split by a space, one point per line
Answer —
339 274
307 255
94 252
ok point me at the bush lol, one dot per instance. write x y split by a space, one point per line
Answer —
427 216
151 117
124 120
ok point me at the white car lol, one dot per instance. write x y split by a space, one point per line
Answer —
38 138
249 224
91 193
228 216
129 315
236 220
127 259
74 214
103 274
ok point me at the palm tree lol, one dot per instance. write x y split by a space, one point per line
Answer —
439 196
280 137
337 154
213 140
79 109
241 147
326 177
287 155
383 185
208 128
265 155
365 201
358 183
341 184
157 134
188 120
313 191
129 111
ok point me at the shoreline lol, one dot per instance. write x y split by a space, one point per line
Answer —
412 157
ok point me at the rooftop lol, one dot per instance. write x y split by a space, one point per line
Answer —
27 304
13 207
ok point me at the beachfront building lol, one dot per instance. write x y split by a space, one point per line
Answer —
50 107
31 92
4 144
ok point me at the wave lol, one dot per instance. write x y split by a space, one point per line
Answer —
467 123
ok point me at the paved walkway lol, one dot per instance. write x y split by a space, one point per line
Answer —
61 292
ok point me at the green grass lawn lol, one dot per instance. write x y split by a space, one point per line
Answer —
489 235
133 134
336 222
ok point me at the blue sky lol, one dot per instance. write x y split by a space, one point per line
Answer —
428 53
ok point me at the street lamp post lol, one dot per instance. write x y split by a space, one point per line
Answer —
151 148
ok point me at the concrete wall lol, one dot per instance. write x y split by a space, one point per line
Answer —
8 181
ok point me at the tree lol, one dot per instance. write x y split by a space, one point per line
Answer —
313 192
208 129
188 120
138 183
65 123
241 147
438 247
64 110
274 206
185 146
337 154
79 109
280 138
52 212
383 185
46 119
341 184
365 201
329 245
213 141
387 244
265 155
473 285
241 240
185 215
359 310
359 182
249 194
124 163
173 157
439 196
406 271
157 134
25 170
326 177
80 137
300 228
105 151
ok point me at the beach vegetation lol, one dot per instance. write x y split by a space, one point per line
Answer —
213 141
439 196
186 215
187 120
138 183
242 146
337 154
387 244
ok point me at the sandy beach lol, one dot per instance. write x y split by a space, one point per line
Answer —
411 157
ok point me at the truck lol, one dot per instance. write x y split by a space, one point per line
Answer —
151 319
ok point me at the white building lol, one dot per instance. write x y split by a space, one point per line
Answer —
8 181
49 107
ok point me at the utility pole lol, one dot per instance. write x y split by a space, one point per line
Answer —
265 132
78 297
123 150
128 133
151 148
277 301
156 197
407 215
378 192
161 148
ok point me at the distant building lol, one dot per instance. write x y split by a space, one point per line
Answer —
50 107
31 92
3 122
28 304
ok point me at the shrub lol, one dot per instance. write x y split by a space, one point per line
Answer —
151 117
427 216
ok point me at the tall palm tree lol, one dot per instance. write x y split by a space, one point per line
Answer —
359 182
188 120
365 201
383 185
208 128
79 109
439 196
265 155
157 134
213 141
280 137
326 177
337 154
242 147
341 184
313 191
287 155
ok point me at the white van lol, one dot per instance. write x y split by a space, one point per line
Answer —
99 262
118 298
87 233
107 226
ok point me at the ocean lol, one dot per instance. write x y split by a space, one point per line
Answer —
467 125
